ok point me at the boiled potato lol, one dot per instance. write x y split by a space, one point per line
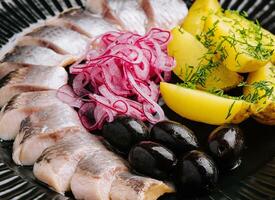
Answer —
191 56
194 21
273 58
264 109
268 39
202 106
239 52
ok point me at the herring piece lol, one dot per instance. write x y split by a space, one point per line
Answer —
37 55
6 68
21 106
31 79
102 8
43 129
59 39
128 186
58 163
165 14
131 14
95 174
84 22
96 6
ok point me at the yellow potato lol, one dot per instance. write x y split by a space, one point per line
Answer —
202 106
192 56
238 52
194 21
264 109
268 39
273 58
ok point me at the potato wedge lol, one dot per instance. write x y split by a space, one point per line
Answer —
264 109
202 106
239 52
273 58
194 21
191 56
268 39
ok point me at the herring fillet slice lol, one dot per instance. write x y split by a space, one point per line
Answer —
58 163
84 22
36 55
21 106
131 14
128 186
165 14
61 40
43 129
102 8
6 68
95 174
31 79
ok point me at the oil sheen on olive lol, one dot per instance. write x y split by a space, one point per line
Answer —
175 136
226 144
152 159
195 174
124 132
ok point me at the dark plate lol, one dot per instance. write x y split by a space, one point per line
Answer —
253 180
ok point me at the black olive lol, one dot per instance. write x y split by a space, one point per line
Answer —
195 174
124 132
175 136
226 144
152 159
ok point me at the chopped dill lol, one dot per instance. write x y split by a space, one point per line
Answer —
261 90
246 37
244 34
230 109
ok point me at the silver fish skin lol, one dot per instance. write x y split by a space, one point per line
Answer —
60 39
131 14
165 14
98 7
37 55
29 79
102 8
43 129
128 186
6 68
84 22
20 107
94 175
58 163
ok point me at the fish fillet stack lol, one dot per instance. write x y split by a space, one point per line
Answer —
48 133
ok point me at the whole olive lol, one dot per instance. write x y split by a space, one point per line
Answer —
196 173
124 132
175 136
152 159
226 144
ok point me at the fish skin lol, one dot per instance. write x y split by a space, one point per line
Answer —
6 68
43 129
60 39
29 79
128 186
165 14
102 8
98 7
21 106
94 175
35 41
58 163
36 55
84 22
131 15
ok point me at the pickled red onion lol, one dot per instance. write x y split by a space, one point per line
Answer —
120 75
